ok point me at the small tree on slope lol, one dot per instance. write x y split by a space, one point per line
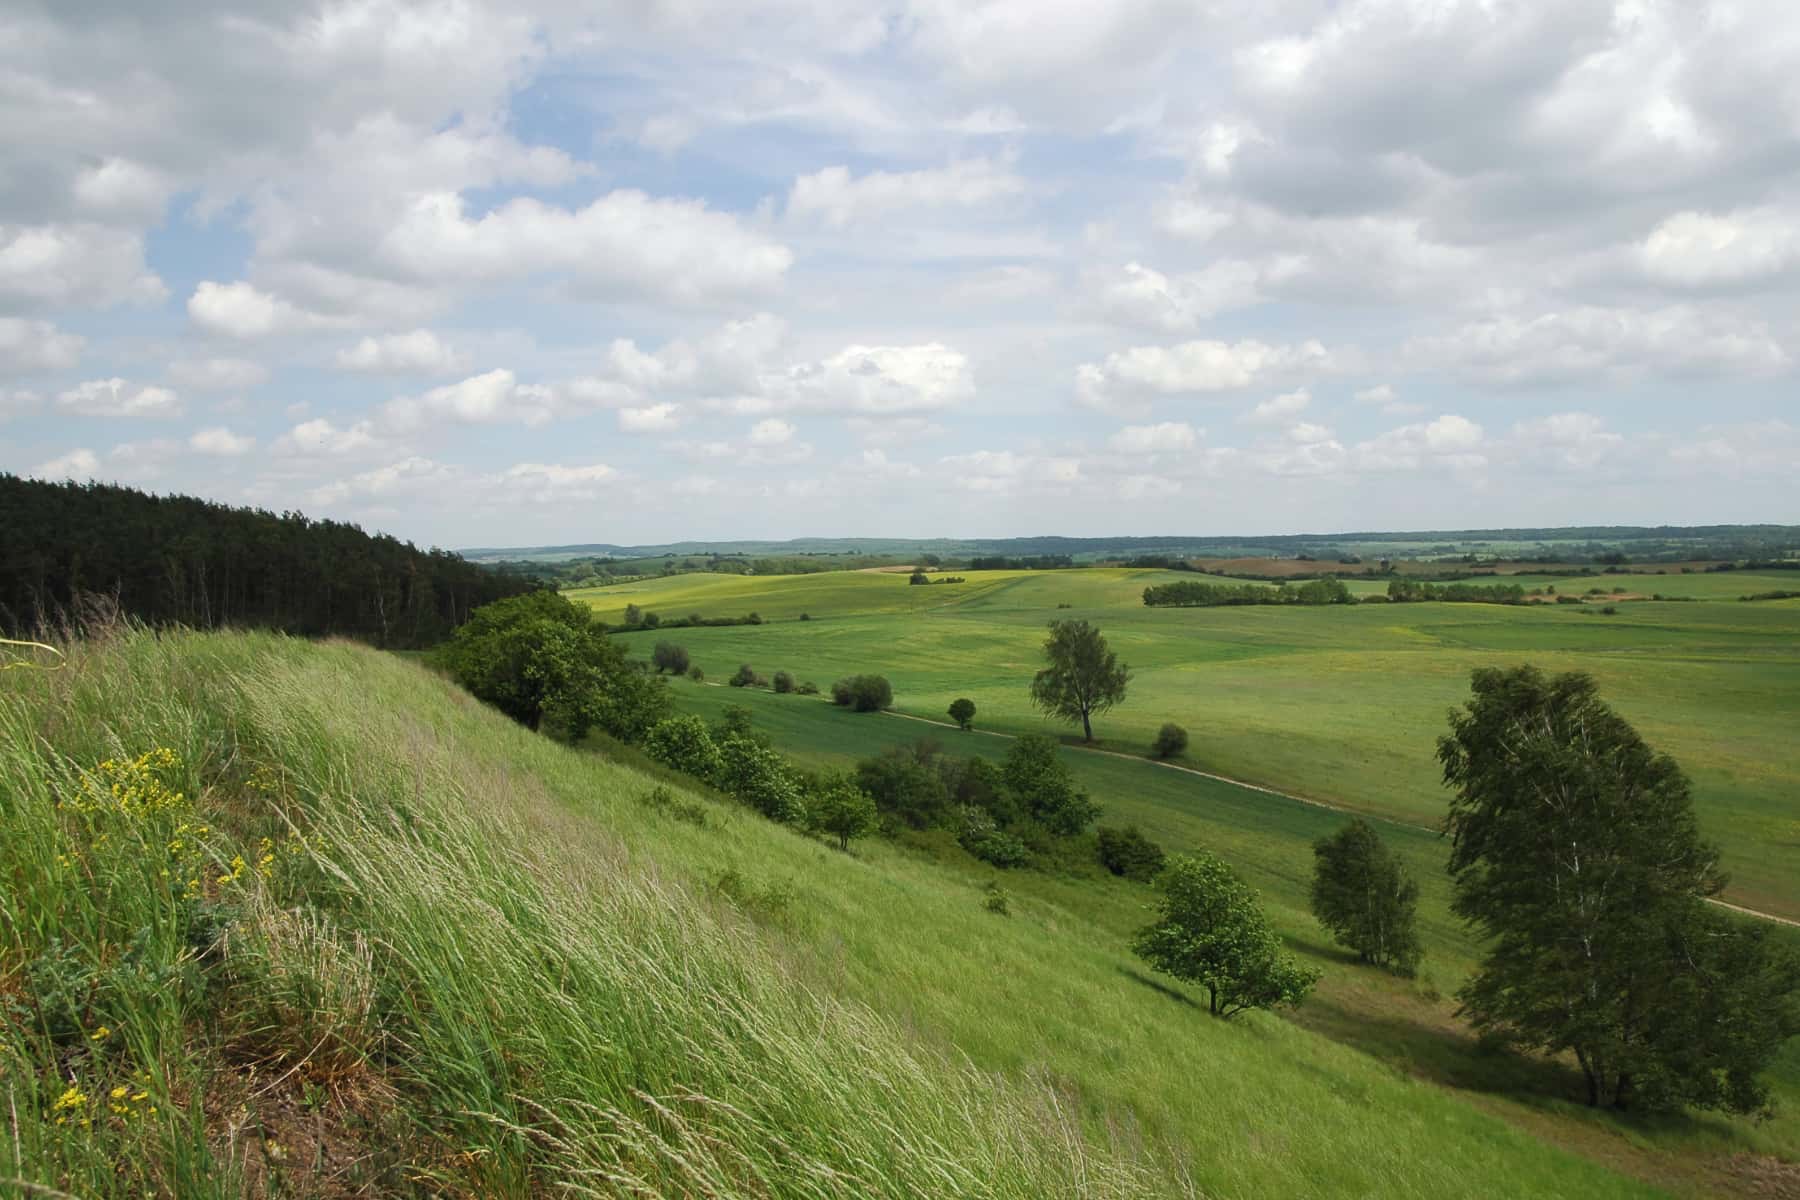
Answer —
1575 851
1362 893
1083 677
1211 931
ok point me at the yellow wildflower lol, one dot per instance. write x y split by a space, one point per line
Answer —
100 1034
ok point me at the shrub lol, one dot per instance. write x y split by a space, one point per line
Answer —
805 617
784 682
995 899
1129 853
744 677
808 688
841 809
864 693
669 657
760 778
1171 740
963 713
988 842
1040 784
696 674
685 744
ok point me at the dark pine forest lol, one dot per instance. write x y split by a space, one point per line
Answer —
177 560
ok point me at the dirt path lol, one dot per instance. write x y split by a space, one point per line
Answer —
1269 791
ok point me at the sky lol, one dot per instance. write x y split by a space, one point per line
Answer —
524 272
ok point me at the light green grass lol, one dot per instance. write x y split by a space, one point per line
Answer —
1343 704
526 984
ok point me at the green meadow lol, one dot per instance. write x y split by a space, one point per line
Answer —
1339 704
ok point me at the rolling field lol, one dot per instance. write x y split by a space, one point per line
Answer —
1340 704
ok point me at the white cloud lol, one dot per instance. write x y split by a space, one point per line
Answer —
1279 409
77 264
409 476
1147 487
1449 441
1144 298
117 398
319 437
625 244
877 381
491 398
654 418
420 352
837 199
241 310
1169 437
1694 249
1007 471
772 432
1572 439
219 374
79 465
1127 380
544 483
17 403
220 442
28 346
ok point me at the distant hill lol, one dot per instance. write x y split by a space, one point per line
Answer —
1639 542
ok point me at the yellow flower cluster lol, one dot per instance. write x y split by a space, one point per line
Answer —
132 786
72 1106
131 1103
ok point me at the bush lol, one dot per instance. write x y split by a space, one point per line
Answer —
963 713
696 674
988 842
1171 740
669 657
808 688
995 899
841 809
685 744
1127 852
864 693
760 778
784 682
744 677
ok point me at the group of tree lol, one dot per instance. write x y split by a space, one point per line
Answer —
545 662
635 618
863 693
1027 806
1191 593
919 576
1576 854
1409 590
1040 562
177 560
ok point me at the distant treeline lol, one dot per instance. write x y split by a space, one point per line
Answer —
602 572
1194 594
1040 562
181 560
1407 590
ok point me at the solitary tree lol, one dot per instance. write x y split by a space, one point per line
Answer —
842 809
1210 931
667 656
1083 678
963 713
1362 893
1575 851
1171 740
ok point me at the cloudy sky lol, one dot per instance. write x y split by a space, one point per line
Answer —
491 272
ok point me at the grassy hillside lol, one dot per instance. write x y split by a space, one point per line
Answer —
469 961
1343 704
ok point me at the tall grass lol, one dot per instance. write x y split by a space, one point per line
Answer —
431 976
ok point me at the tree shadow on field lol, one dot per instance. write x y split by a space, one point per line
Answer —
1161 988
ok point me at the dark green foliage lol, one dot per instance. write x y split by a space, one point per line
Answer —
840 808
667 656
806 688
696 674
660 799
1456 593
918 576
1128 852
685 744
1171 740
745 676
1083 678
963 713
981 837
1191 593
761 778
541 659
1040 783
1210 931
784 682
179 560
864 693
1577 855
1362 893
996 899
905 787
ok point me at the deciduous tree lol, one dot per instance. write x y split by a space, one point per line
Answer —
1083 677
1362 893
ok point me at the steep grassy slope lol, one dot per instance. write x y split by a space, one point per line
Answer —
469 961
1343 704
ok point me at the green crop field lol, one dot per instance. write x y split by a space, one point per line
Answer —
1341 704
